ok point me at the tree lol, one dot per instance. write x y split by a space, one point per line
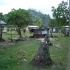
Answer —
20 18
60 14
1 18
37 21
52 24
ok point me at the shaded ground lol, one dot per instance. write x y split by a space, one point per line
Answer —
7 42
68 63
12 41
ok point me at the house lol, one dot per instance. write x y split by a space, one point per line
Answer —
2 22
31 28
65 29
39 33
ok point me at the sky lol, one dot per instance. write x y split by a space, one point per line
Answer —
43 6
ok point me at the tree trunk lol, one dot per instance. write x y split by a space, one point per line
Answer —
51 32
42 58
19 32
1 39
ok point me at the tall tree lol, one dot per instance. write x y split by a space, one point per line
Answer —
37 21
19 17
60 14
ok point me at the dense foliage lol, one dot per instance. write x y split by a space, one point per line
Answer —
60 14
19 17
37 21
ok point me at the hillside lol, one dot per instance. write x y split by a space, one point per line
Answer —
45 18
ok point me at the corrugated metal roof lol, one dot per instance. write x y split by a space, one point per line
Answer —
2 22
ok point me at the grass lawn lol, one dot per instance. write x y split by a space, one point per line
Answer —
16 56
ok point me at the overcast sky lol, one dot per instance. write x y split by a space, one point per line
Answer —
40 5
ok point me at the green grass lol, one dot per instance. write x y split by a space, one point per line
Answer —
59 55
18 55
14 34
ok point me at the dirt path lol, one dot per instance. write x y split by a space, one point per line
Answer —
68 63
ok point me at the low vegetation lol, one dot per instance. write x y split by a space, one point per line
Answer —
17 55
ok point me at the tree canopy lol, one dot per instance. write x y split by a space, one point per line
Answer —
19 17
52 23
37 21
60 14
